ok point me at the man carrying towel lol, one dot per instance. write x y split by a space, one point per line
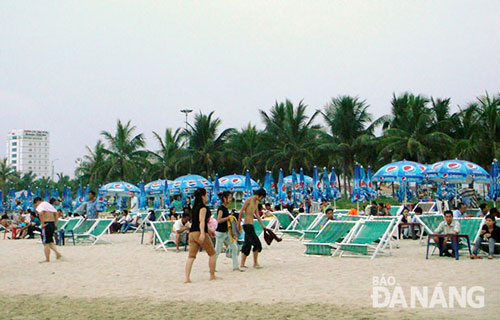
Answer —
249 210
48 219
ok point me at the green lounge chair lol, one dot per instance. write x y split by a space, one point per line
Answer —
428 223
395 210
284 218
332 232
162 230
368 238
315 228
341 211
302 222
345 217
84 227
98 230
68 230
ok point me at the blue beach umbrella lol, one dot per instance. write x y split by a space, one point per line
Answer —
166 193
281 188
215 198
334 188
189 183
457 171
47 194
79 197
120 188
236 183
401 171
11 199
142 196
316 184
295 186
494 186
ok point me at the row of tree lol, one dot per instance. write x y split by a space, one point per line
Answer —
418 128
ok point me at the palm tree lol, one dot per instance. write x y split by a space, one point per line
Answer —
289 138
489 116
409 132
94 166
244 151
205 145
167 160
7 174
125 155
349 131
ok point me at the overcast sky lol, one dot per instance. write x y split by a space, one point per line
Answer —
75 67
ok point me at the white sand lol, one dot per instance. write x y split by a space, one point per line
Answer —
126 268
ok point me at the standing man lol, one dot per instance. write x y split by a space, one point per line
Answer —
48 219
249 210
134 203
89 208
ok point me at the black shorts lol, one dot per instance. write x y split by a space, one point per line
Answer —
251 240
48 232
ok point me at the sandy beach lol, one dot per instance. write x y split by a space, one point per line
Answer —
105 280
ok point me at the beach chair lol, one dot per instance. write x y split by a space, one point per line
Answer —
302 222
428 223
341 211
143 218
162 230
98 230
368 238
468 226
428 207
68 230
332 233
84 227
284 218
346 217
395 210
315 228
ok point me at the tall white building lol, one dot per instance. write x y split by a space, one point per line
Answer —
28 150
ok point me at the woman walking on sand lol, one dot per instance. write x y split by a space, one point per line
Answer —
198 234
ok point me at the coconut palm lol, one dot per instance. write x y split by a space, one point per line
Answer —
126 157
290 136
205 145
167 161
349 131
409 132
244 151
7 175
94 166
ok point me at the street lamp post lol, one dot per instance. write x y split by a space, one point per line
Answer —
52 167
186 112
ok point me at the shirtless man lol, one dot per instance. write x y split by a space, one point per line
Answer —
48 219
249 210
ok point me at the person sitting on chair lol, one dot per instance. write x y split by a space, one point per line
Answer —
484 209
460 212
448 226
490 233
180 230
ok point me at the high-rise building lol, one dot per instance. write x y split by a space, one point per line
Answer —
28 150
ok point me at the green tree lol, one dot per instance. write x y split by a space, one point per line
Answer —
168 160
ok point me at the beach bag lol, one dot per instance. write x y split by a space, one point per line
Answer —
212 224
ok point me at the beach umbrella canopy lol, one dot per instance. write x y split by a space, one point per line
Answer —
268 184
47 196
236 183
189 183
405 171
157 188
11 199
119 188
370 192
142 196
316 184
38 193
79 197
248 186
457 171
215 201
357 192
494 186
281 188
288 180
334 188
86 193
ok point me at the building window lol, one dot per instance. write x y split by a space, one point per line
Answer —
14 167
14 149
14 155
14 161
14 143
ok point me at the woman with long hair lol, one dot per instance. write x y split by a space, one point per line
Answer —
222 233
198 234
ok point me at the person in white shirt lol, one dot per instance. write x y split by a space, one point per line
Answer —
460 212
127 221
134 204
448 226
180 230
